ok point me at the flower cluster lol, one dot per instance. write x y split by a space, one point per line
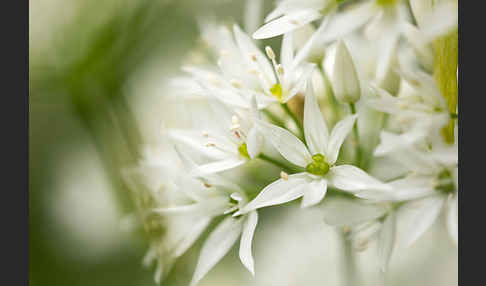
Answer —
354 106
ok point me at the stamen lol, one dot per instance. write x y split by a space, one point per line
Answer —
253 71
207 185
280 69
205 134
294 22
253 57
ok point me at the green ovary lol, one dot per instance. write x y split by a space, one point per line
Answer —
446 184
243 150
319 167
276 90
385 2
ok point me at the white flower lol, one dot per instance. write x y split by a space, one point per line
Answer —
245 71
431 186
318 159
292 14
230 140
219 196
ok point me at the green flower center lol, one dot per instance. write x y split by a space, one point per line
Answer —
319 167
243 150
446 184
276 90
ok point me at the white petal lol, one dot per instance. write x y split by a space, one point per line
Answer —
208 207
353 179
452 217
286 23
417 216
218 166
286 143
442 19
314 193
386 240
189 239
248 49
279 192
246 240
299 84
315 128
345 81
336 139
218 243
254 142
344 23
350 212
287 52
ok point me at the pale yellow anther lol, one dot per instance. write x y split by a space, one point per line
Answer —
294 22
284 176
223 52
280 69
205 134
253 57
236 83
270 52
207 185
234 119
346 229
210 144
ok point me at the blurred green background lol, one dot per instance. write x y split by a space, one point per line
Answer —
97 75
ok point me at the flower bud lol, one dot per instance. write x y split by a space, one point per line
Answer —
345 78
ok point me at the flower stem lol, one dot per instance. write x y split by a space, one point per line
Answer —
277 163
274 118
294 118
359 153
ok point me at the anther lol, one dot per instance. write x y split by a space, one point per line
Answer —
294 22
253 57
253 71
210 145
270 52
280 69
284 176
235 83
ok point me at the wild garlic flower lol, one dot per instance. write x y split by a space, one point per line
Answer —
318 157
227 142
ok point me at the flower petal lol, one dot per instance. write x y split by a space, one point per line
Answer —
336 139
287 52
299 84
246 240
386 240
353 179
314 193
315 128
286 143
417 216
189 239
249 49
254 142
216 246
279 192
218 166
286 23
349 212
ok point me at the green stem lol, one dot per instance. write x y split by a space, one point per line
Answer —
279 164
359 153
274 118
294 118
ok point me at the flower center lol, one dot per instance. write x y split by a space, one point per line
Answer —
243 150
445 184
319 167
276 90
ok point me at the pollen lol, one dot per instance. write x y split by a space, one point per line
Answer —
242 149
236 83
270 53
284 176
253 57
276 90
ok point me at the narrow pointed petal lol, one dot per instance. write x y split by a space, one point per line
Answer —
336 139
249 49
287 52
352 179
279 192
286 23
386 241
189 239
417 216
208 207
254 142
218 166
286 143
300 83
246 241
314 193
315 128
218 243
452 217
442 19
348 212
